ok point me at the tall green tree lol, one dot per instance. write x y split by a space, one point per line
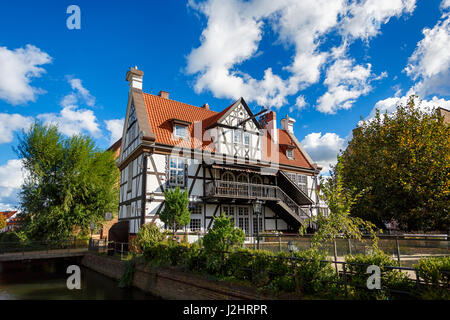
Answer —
176 212
338 222
2 221
402 161
69 182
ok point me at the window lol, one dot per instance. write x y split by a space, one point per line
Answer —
228 176
237 138
229 212
246 138
290 153
302 182
196 209
180 131
195 224
291 176
176 172
257 228
130 176
243 220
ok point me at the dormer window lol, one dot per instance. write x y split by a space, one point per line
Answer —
180 131
290 153
180 128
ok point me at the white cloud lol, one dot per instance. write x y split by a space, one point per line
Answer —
346 82
11 123
115 128
430 62
300 103
389 105
82 91
445 4
323 149
11 179
72 119
235 28
364 18
17 68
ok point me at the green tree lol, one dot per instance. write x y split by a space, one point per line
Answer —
69 183
339 223
148 236
402 161
2 221
223 236
176 212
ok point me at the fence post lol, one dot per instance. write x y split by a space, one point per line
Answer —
398 250
279 242
345 279
349 246
335 255
121 250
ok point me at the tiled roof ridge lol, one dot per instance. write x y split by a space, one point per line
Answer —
184 103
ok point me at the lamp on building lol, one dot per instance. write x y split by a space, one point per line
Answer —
257 210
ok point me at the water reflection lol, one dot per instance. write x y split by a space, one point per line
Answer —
47 281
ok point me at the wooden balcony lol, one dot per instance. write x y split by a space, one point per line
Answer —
273 195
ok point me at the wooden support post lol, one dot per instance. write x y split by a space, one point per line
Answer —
398 250
279 242
349 246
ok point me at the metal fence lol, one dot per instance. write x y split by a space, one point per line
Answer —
406 249
109 247
345 278
41 246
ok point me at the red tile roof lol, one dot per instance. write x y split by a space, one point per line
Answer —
161 111
7 214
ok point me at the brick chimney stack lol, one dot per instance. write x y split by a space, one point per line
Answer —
269 122
205 106
164 94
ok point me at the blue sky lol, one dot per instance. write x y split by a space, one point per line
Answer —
327 68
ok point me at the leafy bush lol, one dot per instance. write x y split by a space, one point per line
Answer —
218 242
128 273
223 236
391 280
435 272
314 275
149 235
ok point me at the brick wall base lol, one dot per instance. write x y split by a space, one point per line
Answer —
171 283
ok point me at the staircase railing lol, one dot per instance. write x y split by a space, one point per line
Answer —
251 190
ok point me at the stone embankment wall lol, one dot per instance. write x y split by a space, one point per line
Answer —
174 284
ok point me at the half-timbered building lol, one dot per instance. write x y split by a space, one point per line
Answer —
226 160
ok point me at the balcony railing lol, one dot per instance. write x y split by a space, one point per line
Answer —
226 189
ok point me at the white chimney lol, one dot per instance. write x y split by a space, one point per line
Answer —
134 77
287 124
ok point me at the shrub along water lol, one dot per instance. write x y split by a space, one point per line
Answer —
307 273
393 282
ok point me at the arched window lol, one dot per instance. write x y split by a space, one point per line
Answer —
243 178
256 179
228 176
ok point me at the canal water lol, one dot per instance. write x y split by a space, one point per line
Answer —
46 280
